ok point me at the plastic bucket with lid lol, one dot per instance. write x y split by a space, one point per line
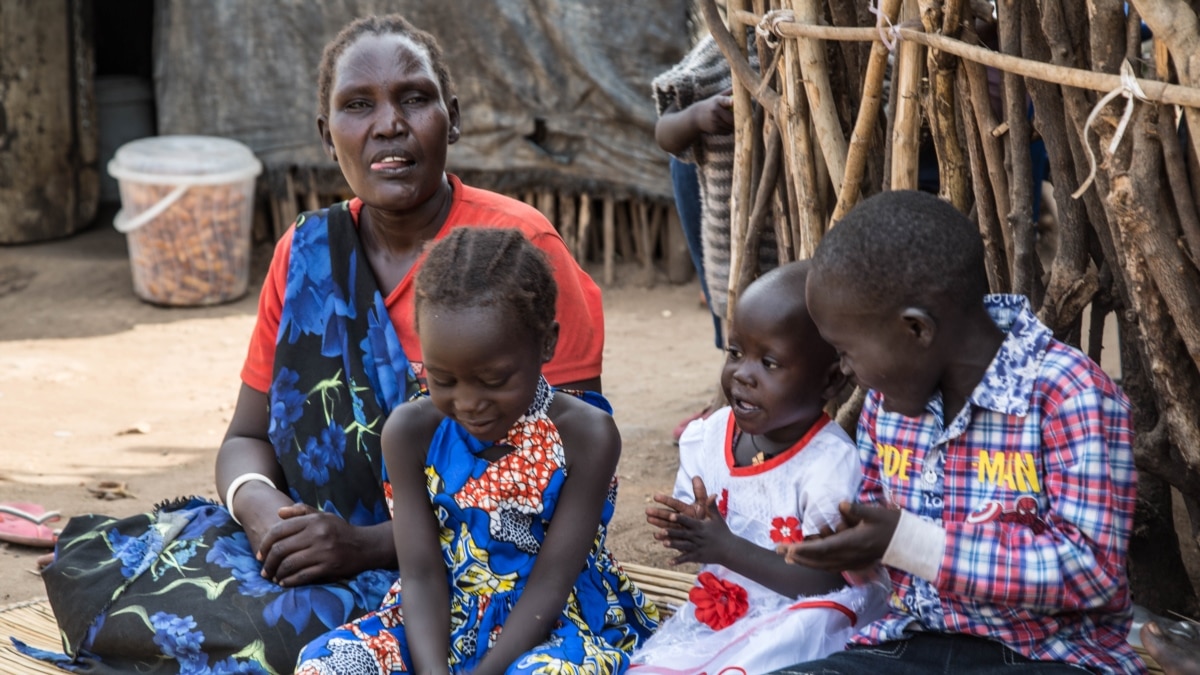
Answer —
187 203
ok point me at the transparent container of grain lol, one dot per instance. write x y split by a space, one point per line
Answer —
187 203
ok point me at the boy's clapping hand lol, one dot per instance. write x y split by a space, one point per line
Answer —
696 530
858 543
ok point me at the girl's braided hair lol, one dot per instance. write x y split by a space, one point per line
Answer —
489 267
387 24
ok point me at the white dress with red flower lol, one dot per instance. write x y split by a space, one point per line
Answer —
732 625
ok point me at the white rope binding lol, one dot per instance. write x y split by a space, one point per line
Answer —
892 29
1131 90
768 26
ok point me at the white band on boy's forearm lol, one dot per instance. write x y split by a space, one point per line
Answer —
236 484
917 547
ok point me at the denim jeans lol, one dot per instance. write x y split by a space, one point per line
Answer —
946 654
686 184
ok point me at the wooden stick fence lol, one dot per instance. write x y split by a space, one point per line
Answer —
640 234
1126 250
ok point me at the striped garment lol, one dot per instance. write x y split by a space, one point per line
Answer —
1034 485
701 74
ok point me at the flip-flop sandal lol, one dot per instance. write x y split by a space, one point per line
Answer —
24 523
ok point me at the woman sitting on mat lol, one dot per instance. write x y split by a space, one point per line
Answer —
303 543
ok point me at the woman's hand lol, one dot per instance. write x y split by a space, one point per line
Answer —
308 546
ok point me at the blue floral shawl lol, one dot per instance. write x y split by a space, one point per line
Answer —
178 590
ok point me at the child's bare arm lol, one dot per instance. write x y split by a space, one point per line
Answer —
426 598
676 129
592 446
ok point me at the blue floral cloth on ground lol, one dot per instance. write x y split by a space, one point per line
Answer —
178 590
493 517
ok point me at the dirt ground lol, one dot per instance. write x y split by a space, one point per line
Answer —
96 385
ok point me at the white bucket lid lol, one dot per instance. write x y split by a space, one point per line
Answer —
184 160
181 161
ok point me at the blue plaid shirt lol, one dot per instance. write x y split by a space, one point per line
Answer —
1034 484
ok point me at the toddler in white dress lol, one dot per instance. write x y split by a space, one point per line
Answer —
765 471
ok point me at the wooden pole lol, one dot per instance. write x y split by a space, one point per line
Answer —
1176 25
748 266
980 101
568 216
545 204
1160 92
585 225
906 131
1025 266
743 114
809 224
312 200
953 174
985 198
645 240
610 244
788 76
868 117
733 46
815 72
1072 282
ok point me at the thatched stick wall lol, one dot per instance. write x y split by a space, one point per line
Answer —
1125 247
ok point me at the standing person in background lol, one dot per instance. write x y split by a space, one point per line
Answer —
695 126
303 542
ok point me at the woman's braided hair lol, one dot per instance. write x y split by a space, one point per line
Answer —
387 24
489 267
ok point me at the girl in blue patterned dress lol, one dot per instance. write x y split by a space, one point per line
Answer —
506 491
302 543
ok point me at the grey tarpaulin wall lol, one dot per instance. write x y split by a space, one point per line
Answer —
555 94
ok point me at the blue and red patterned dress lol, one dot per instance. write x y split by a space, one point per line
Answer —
494 516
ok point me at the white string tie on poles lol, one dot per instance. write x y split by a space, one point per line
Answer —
1132 91
768 31
890 37
768 26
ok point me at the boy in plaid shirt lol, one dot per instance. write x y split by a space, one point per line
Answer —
999 484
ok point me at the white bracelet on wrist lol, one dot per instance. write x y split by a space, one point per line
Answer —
236 484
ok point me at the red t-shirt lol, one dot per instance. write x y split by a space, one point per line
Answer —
579 311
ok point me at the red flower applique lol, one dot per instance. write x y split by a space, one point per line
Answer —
723 503
718 602
786 530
